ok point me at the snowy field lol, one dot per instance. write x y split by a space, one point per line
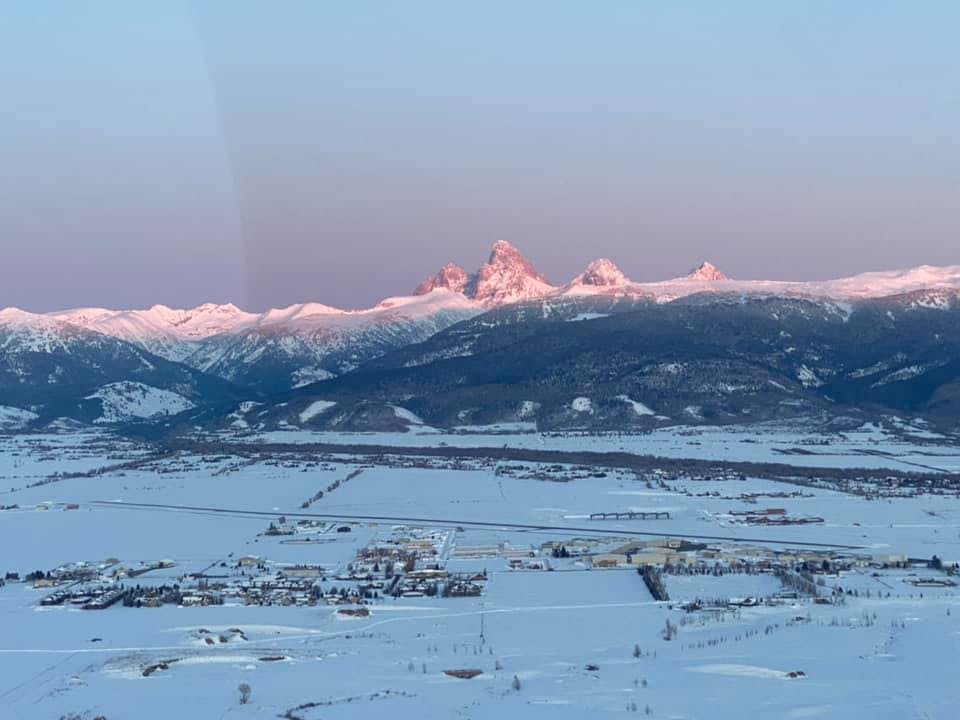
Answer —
895 444
571 642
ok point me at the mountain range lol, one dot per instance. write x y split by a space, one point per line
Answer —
109 366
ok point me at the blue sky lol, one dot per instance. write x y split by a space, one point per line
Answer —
267 153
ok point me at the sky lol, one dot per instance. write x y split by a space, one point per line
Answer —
268 153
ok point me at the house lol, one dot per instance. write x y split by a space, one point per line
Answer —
511 552
650 558
463 589
575 547
608 560
888 560
427 574
476 551
302 571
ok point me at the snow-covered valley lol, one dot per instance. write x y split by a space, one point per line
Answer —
337 584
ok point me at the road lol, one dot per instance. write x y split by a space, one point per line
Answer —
479 524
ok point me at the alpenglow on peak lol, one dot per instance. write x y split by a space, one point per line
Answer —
506 277
450 276
708 272
602 272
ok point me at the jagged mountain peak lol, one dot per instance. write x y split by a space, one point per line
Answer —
451 276
706 271
504 252
507 277
602 272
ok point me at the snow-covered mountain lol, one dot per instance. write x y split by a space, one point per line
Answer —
451 277
125 400
507 277
168 332
303 343
306 343
708 278
50 368
606 362
277 349
706 272
600 273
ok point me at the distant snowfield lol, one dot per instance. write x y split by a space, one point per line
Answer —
580 317
582 405
638 407
870 446
14 418
407 415
306 376
315 408
131 400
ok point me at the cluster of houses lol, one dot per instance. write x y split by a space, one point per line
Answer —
44 506
883 487
660 476
87 585
109 570
412 562
86 596
303 531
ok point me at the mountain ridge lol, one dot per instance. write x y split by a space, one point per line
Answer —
705 359
262 354
507 278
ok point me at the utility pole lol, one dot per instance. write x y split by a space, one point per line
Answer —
482 639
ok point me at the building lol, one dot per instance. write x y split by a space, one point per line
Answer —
608 560
302 571
650 558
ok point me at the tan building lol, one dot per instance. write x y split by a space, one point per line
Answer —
651 558
608 560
